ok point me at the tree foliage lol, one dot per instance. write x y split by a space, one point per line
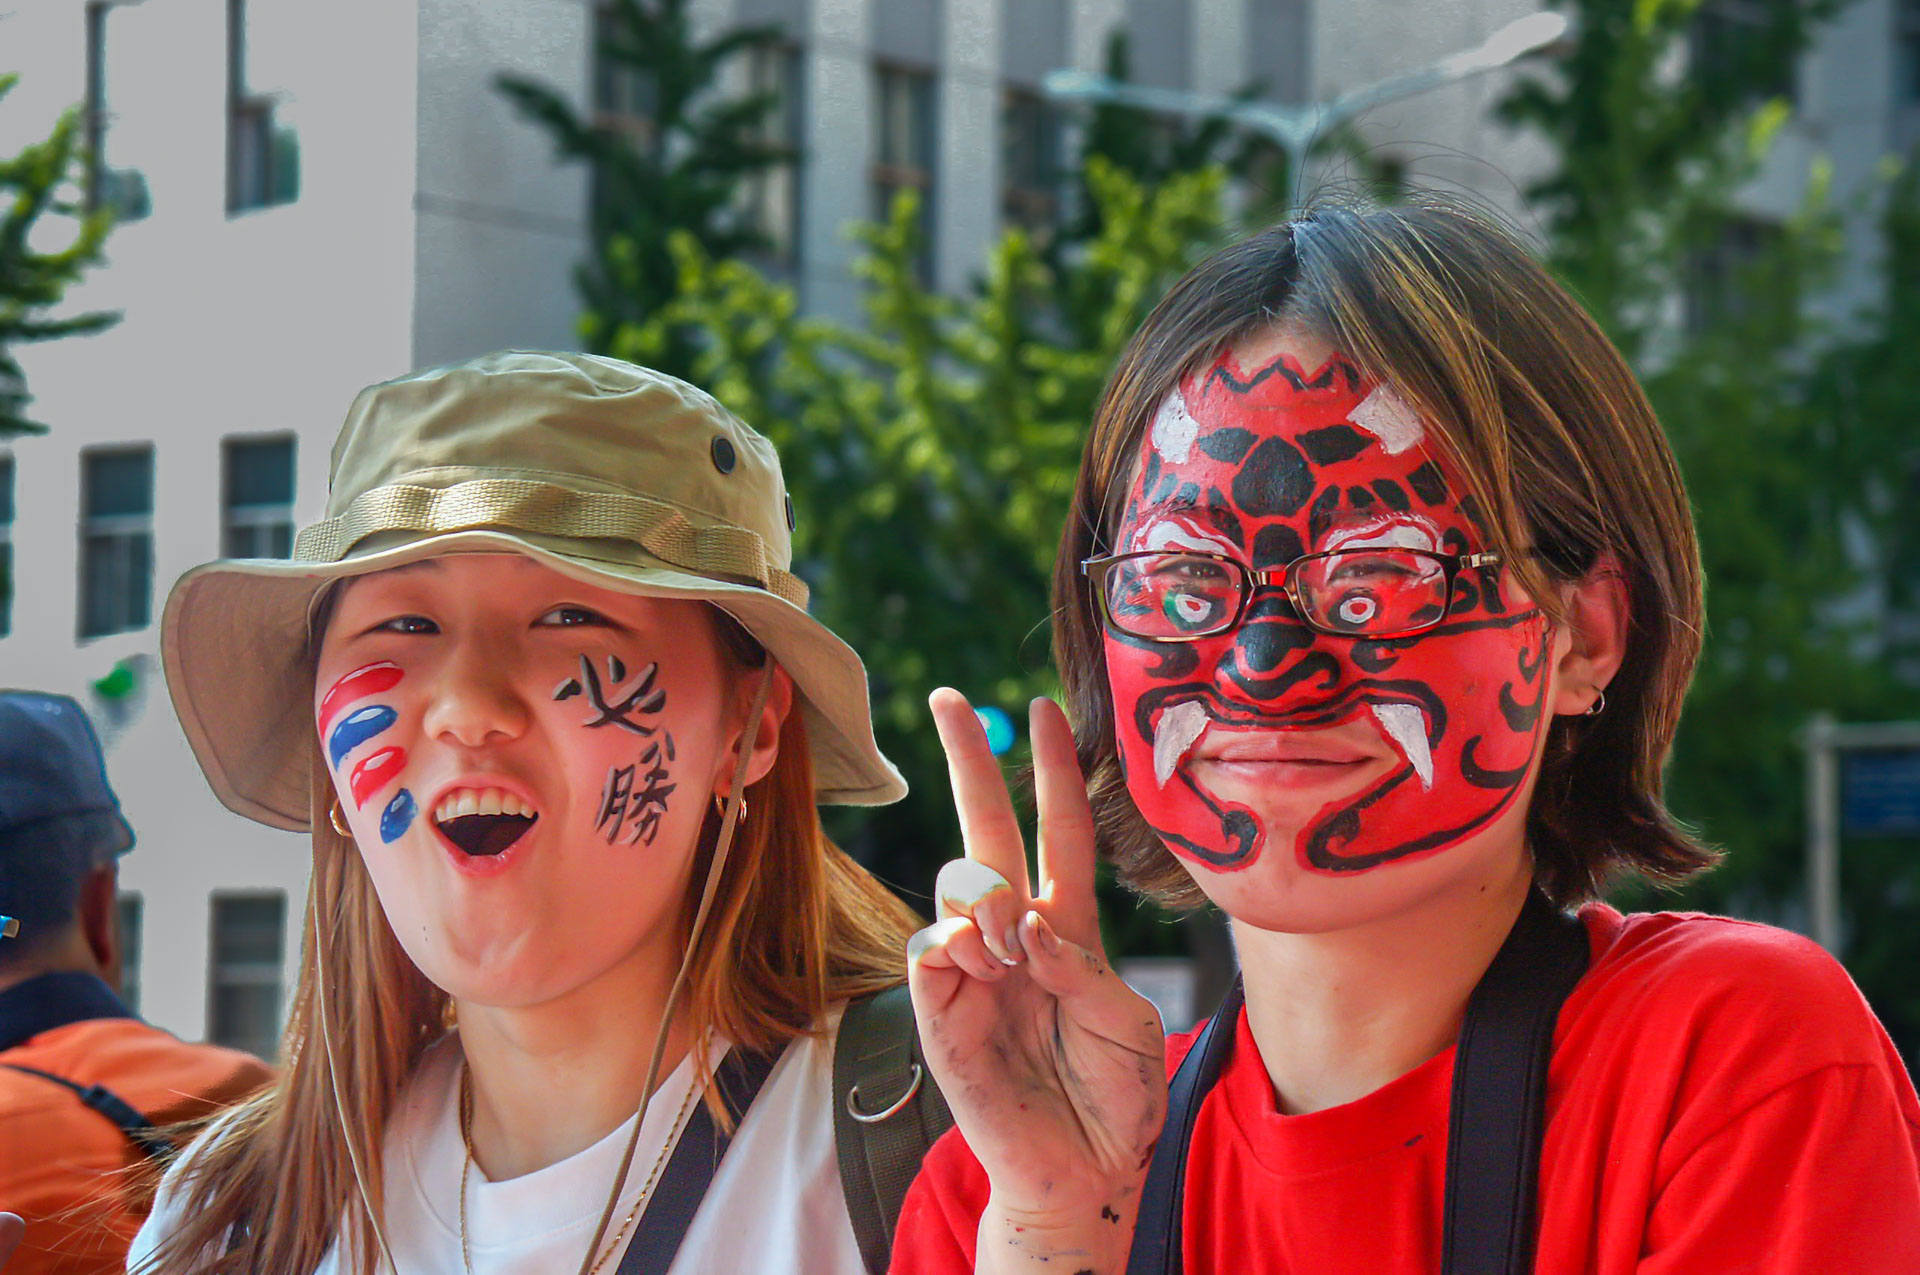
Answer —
1794 431
930 452
680 175
35 184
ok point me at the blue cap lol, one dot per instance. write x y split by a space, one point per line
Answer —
56 808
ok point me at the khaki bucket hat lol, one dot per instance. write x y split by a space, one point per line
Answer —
613 474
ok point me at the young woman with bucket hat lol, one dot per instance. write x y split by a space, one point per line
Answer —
544 690
1374 611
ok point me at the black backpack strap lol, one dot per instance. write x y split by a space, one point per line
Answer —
1498 1113
683 1183
1157 1236
887 1111
1495 1123
139 1130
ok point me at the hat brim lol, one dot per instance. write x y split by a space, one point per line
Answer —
233 641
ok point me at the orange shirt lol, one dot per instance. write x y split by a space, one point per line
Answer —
67 1169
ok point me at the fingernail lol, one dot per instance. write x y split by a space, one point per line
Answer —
1016 951
918 945
1044 932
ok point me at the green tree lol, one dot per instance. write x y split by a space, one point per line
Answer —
930 453
1790 430
35 184
680 174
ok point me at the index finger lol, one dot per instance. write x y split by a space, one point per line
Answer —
989 829
1066 827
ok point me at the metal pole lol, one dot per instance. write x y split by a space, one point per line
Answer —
1823 832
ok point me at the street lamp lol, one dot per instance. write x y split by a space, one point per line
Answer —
1294 128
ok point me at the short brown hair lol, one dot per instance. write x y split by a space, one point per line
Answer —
1556 440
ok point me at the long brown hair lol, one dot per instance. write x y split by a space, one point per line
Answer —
1559 447
796 926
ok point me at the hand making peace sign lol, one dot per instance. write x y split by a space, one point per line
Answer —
1055 1068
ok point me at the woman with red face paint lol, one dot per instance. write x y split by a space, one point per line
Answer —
544 690
1374 613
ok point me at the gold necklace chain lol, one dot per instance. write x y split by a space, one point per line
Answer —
646 1191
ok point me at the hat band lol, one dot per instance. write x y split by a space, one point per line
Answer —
547 509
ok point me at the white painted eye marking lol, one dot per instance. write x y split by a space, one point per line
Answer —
1406 726
1173 738
1403 531
1389 418
1174 429
1192 609
1358 610
1173 536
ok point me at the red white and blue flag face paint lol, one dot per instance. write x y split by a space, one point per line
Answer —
1393 748
349 725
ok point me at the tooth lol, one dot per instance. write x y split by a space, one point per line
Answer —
443 811
490 801
466 802
1406 726
1179 727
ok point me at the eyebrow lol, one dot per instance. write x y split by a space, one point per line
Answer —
1218 519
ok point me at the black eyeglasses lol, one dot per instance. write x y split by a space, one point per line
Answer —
1364 592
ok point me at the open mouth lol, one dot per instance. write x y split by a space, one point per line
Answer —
483 821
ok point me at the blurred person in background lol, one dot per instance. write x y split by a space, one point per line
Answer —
86 1088
1374 611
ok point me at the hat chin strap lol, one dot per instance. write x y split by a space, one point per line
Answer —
736 795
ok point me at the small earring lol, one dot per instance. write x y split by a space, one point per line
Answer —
338 818
720 808
1599 703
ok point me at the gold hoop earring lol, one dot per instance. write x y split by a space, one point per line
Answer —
720 808
1599 703
338 818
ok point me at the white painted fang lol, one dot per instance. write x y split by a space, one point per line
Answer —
1174 429
1406 726
1389 418
1173 737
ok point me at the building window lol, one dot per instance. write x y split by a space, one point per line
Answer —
1737 37
263 153
6 545
130 950
904 148
116 540
771 196
257 513
122 191
1030 133
1906 37
243 1009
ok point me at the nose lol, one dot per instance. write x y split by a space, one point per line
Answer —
1275 651
471 702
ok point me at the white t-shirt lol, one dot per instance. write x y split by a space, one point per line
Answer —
774 1206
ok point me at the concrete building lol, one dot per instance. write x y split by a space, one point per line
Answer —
329 195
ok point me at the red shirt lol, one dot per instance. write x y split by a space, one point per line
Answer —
1720 1099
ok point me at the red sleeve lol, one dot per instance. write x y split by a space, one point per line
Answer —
939 1223
1823 1174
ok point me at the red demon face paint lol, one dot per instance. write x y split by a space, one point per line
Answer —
1365 751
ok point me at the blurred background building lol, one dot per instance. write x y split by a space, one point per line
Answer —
318 196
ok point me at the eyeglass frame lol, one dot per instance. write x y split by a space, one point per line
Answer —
1096 570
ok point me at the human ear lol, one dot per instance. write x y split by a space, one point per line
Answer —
1594 639
762 737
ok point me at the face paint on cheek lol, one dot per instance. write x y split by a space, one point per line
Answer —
375 771
397 817
633 799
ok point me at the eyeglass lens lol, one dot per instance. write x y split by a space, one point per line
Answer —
1172 596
